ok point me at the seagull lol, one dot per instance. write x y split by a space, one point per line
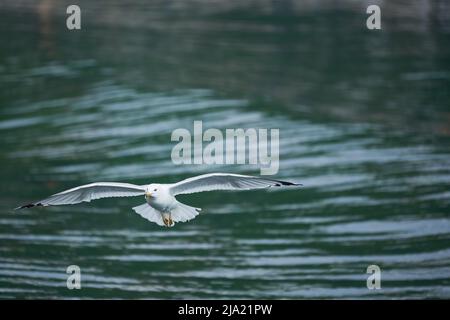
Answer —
161 206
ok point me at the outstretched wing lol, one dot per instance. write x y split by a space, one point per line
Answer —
225 181
89 192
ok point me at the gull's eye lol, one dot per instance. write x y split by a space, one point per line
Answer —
155 190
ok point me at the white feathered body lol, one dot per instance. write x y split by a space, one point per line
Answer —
162 207
162 200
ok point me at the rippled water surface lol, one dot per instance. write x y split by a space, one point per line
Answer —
364 124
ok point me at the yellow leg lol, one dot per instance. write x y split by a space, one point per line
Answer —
166 222
167 219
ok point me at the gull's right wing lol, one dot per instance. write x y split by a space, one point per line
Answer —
89 192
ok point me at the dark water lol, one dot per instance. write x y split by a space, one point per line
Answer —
364 121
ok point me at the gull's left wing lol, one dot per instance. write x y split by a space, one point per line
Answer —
224 181
89 192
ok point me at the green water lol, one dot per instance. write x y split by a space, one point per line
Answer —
364 121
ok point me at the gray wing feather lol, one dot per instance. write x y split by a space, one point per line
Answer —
89 192
225 181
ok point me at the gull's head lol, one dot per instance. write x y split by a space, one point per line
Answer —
152 190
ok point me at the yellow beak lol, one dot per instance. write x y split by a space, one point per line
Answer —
148 194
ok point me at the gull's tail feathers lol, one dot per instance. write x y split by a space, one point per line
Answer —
183 212
149 213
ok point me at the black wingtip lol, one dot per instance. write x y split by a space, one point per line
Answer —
30 205
287 183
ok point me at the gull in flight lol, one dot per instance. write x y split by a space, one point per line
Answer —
161 205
